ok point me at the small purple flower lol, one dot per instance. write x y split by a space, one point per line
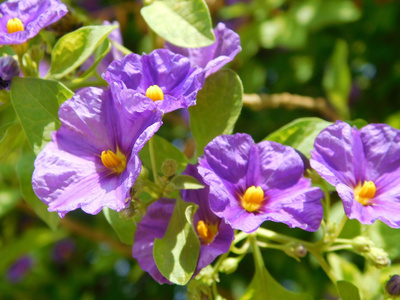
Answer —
92 160
252 183
364 166
63 250
163 77
8 69
19 269
214 234
213 57
22 20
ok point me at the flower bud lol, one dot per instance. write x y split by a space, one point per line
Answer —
362 244
169 167
393 285
8 69
230 264
378 257
295 250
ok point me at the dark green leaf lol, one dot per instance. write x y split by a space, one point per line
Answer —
125 229
163 150
185 23
74 48
36 102
218 107
299 134
177 252
186 182
24 173
348 291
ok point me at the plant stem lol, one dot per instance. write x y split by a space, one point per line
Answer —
324 265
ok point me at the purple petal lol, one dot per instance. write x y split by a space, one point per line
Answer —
213 57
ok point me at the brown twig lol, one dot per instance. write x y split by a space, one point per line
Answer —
290 101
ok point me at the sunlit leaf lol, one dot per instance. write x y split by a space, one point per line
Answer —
299 134
218 107
36 102
186 182
348 291
177 252
74 48
185 23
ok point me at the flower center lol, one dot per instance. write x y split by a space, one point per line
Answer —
155 93
206 232
114 162
364 193
14 25
252 198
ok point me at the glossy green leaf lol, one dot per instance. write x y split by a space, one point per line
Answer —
265 287
185 23
186 182
348 291
36 102
299 134
8 199
124 228
218 106
74 48
24 172
177 252
337 79
30 240
163 150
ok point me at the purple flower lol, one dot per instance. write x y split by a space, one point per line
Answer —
8 69
22 20
214 234
252 183
213 57
63 251
163 77
364 166
19 269
92 160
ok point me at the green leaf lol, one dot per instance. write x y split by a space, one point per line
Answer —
7 118
100 52
185 23
359 123
177 252
30 240
218 106
344 269
36 102
348 291
186 182
163 150
264 286
74 48
299 134
385 237
8 199
24 172
125 229
337 79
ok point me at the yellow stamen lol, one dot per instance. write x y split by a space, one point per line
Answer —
206 231
15 25
155 93
365 193
252 198
115 162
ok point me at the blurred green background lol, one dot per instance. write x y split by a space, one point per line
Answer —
343 54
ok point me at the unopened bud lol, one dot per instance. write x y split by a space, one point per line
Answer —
295 250
393 285
169 167
378 257
8 69
362 244
230 264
